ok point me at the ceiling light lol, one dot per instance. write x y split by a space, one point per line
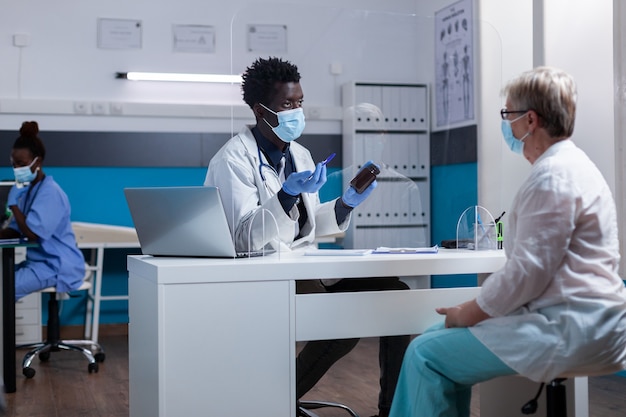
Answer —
168 76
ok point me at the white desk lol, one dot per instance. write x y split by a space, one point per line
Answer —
98 237
216 337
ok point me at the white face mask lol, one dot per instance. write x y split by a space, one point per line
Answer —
290 123
24 175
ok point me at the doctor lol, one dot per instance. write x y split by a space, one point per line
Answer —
264 170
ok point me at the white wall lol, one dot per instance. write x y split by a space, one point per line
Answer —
579 39
370 40
506 50
577 36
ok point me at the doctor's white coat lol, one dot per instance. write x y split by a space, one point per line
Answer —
249 192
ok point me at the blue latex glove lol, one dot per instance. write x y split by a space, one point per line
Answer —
352 198
305 181
15 194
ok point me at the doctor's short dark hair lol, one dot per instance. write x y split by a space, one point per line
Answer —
260 78
29 139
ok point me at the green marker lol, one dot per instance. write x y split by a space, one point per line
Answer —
499 229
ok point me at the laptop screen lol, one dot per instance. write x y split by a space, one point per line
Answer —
5 187
180 221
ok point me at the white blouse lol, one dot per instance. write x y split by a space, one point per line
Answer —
558 306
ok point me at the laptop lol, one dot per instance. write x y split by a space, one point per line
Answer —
5 187
182 221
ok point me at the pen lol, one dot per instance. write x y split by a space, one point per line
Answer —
480 222
485 234
324 162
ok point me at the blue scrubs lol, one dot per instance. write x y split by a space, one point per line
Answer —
439 368
57 261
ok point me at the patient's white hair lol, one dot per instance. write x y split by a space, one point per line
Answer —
551 93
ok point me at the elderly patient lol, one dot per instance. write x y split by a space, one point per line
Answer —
558 306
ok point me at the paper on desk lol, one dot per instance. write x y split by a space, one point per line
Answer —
337 252
12 241
428 249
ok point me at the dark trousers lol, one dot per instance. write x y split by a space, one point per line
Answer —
318 356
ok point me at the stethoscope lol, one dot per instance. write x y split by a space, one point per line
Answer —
28 206
263 164
273 173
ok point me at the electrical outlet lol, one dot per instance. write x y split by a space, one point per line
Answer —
116 108
313 113
336 68
81 107
99 108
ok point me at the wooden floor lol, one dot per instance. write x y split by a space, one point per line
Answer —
62 387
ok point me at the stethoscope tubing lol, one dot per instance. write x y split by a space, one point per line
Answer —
263 178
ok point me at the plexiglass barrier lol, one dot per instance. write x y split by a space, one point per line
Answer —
476 230
418 95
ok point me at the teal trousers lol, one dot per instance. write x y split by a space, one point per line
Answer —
439 368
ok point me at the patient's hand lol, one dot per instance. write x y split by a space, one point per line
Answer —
463 315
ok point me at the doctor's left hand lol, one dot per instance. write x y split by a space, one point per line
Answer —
305 181
351 198
15 194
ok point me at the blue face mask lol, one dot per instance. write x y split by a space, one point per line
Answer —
515 144
290 124
25 174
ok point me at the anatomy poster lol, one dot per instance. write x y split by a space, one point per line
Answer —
454 72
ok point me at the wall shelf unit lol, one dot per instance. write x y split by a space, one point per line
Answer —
389 124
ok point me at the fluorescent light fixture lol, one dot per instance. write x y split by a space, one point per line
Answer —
168 76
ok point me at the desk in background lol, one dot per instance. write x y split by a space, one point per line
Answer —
8 313
96 238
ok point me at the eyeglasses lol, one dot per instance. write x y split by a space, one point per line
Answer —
504 112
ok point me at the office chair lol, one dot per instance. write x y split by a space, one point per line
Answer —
53 343
556 401
304 408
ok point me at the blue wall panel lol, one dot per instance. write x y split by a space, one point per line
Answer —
453 189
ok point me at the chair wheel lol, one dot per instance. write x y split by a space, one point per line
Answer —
93 367
28 372
44 356
99 357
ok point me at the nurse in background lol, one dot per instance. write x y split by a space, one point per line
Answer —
558 306
41 213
